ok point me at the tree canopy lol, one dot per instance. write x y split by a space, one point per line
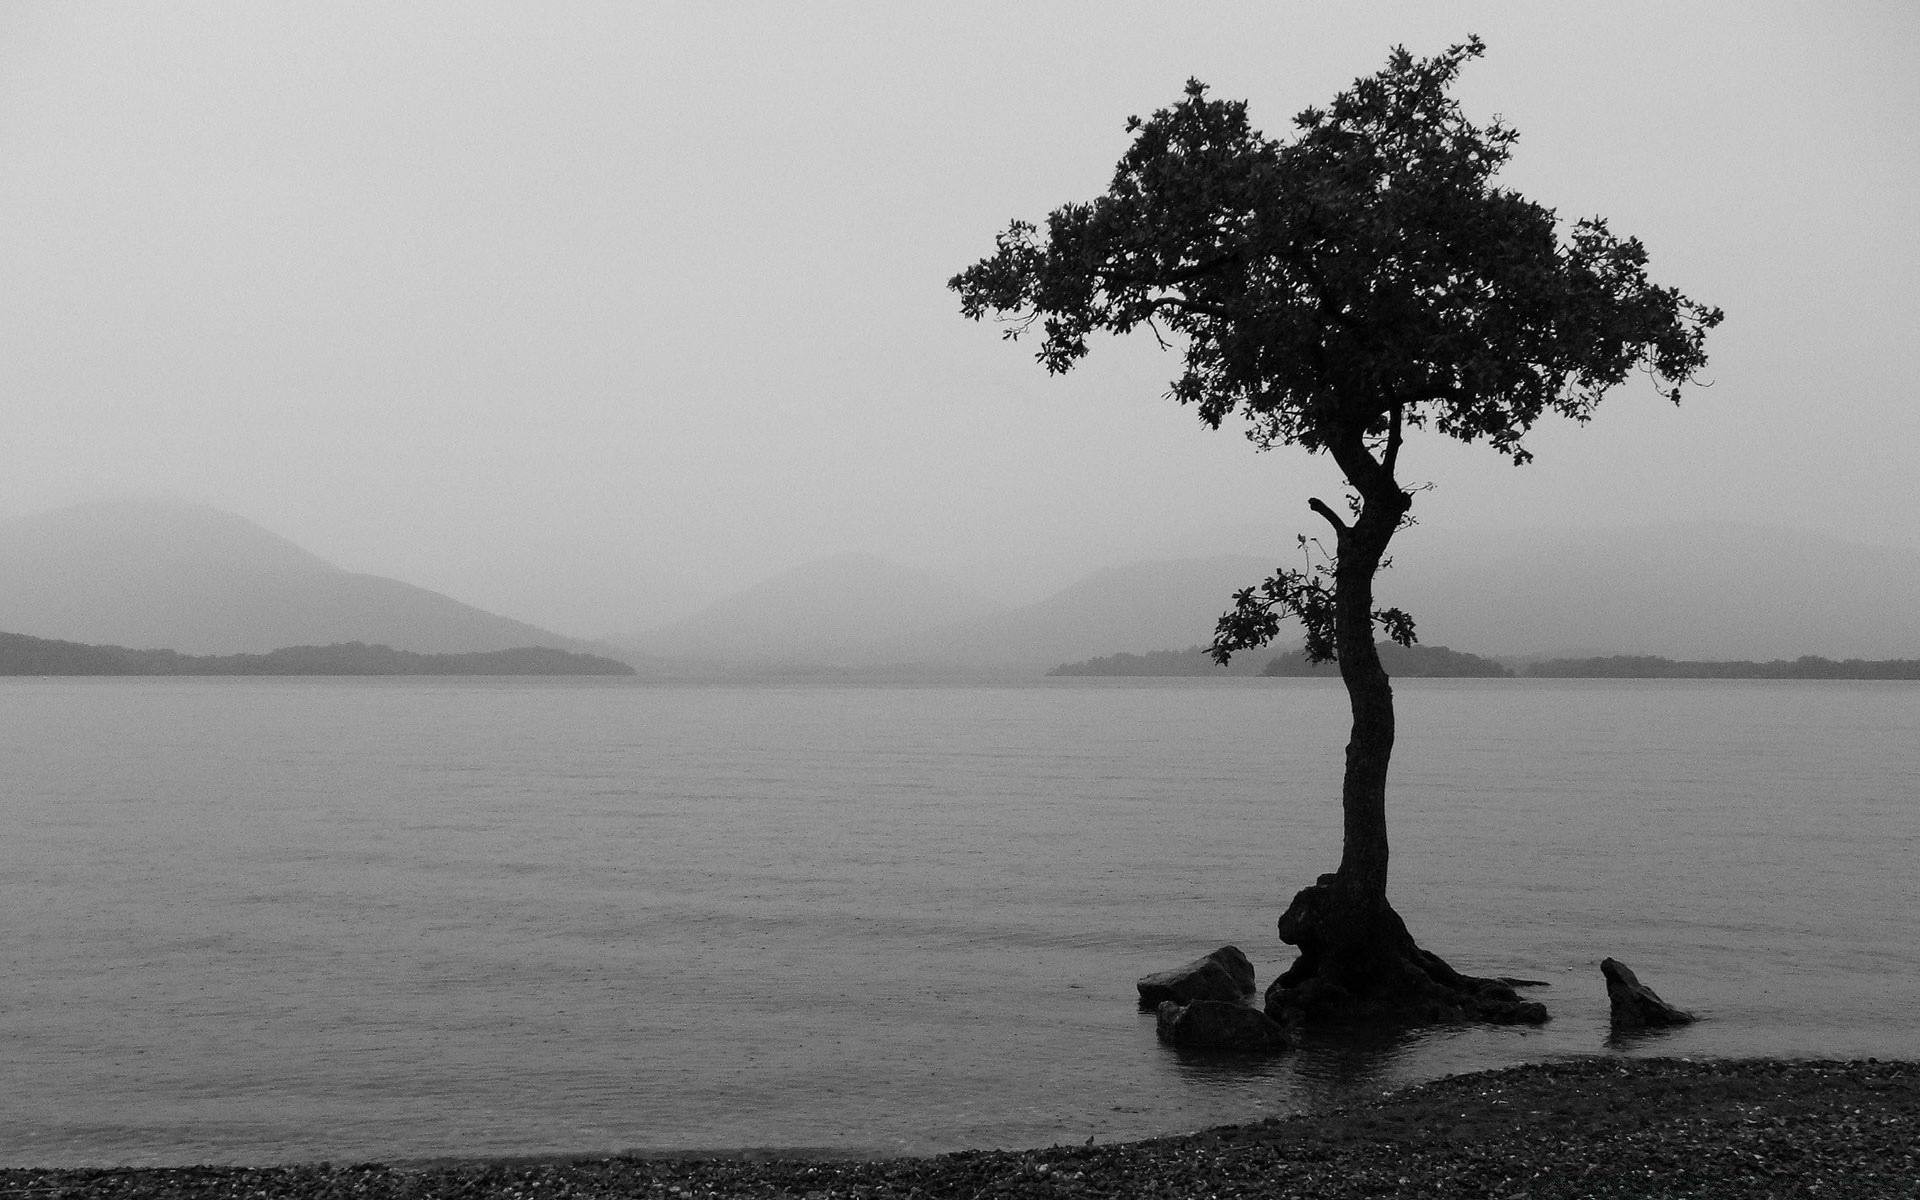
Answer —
1367 270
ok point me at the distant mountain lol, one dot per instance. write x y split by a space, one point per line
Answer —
853 610
1688 591
1167 603
1703 590
862 613
191 578
21 655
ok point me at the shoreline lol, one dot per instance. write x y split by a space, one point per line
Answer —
1593 1126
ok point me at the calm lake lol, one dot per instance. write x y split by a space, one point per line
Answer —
285 920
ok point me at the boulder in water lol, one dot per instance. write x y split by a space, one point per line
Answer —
1219 1025
1635 1005
1223 975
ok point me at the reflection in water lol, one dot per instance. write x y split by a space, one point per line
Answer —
1329 1068
1332 1068
1645 1040
1322 1068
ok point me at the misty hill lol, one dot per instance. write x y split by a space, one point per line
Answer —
1165 603
1703 590
850 610
1689 591
1621 666
202 581
21 655
858 612
1404 662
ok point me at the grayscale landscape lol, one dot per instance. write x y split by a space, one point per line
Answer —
712 599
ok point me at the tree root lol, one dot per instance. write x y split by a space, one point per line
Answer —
1358 965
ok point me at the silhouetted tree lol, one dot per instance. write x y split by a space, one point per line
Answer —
1337 290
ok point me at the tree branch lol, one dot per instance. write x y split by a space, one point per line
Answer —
1393 440
1322 295
1186 305
1116 277
1430 393
1333 518
1205 267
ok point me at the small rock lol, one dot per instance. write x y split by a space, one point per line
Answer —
1223 975
1219 1025
1635 1005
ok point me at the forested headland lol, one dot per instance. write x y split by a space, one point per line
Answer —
1409 662
1645 666
1406 662
23 655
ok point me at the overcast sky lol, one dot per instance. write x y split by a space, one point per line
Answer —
580 312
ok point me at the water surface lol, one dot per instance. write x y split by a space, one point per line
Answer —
276 920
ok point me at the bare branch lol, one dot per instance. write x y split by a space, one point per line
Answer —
1158 337
1333 518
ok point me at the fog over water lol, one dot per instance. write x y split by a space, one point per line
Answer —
588 315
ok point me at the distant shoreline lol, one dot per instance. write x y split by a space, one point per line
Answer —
1605 1126
1417 661
1626 666
23 655
1439 662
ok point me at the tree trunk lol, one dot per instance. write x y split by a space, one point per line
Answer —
1363 791
1358 963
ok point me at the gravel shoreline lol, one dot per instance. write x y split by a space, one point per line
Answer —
1595 1127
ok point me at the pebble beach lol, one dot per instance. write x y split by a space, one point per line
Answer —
1591 1127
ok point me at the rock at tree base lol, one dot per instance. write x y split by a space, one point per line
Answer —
1635 1005
1219 1025
1359 966
1223 975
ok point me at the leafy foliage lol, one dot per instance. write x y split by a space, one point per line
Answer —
1367 266
1306 595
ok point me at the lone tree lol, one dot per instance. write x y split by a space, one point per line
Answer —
1336 290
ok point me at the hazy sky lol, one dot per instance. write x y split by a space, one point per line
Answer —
582 311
